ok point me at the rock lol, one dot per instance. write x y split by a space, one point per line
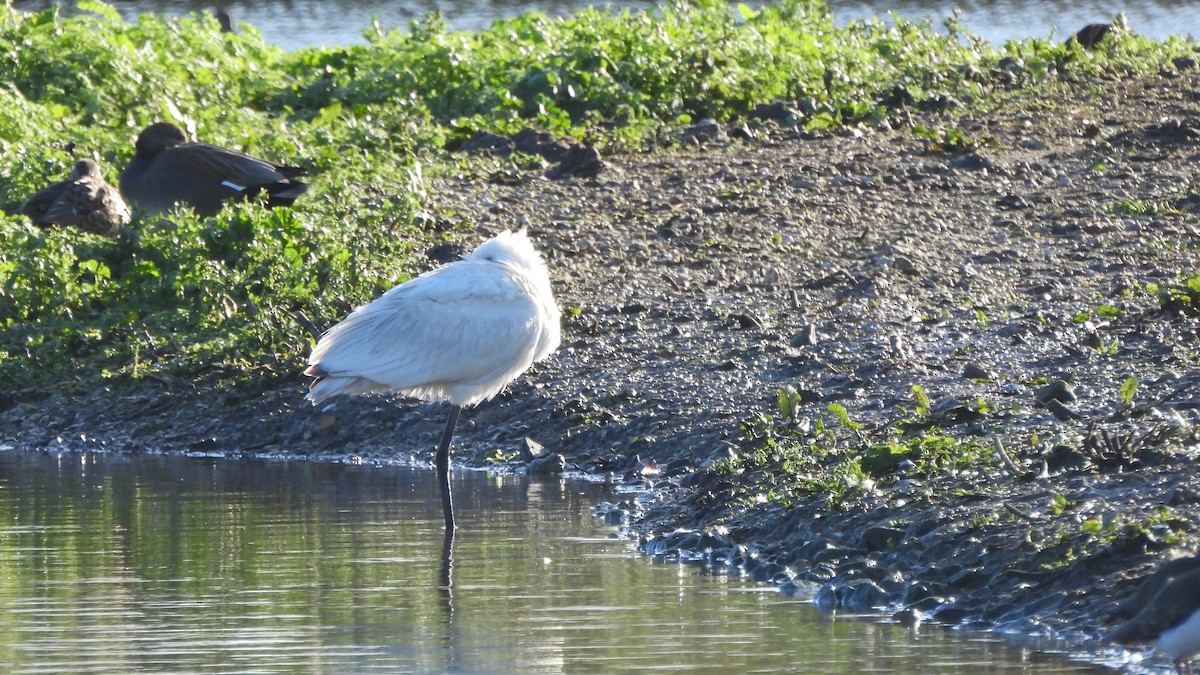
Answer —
855 595
805 337
747 321
974 371
970 162
705 131
1057 390
539 143
974 577
1061 411
445 252
323 426
485 142
776 111
881 538
551 464
1012 202
579 161
951 616
531 450
909 618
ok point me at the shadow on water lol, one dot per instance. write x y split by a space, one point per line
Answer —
294 24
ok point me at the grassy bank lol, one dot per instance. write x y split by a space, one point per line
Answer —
224 300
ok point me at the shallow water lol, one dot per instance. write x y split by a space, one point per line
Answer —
152 564
294 24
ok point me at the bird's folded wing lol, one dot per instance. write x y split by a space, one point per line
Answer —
40 202
235 170
79 199
424 333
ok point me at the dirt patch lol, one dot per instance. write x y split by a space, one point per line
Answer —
698 280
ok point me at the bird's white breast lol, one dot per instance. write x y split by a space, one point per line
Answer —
1183 640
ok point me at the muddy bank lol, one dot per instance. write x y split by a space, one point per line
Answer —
1008 264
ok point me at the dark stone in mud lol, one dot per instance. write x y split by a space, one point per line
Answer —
487 142
445 253
898 97
791 588
539 143
712 541
818 574
881 538
768 572
742 132
580 161
924 591
974 371
951 616
970 162
552 464
679 542
855 595
776 111
832 554
1066 457
1169 133
860 568
705 131
614 514
1181 496
528 141
1058 390
1061 411
1150 585
746 321
927 605
970 578
939 103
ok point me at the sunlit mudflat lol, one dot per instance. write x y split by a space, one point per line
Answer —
294 24
169 564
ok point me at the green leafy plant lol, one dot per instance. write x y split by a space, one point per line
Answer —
920 400
1128 389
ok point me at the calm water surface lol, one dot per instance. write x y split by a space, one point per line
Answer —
168 564
305 23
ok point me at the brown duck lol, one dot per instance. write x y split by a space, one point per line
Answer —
85 200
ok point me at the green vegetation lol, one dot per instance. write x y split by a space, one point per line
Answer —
1128 389
1140 207
788 458
231 297
1183 297
1064 544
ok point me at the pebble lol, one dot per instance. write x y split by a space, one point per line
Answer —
1057 390
805 337
974 371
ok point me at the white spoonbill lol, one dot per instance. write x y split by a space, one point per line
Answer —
458 333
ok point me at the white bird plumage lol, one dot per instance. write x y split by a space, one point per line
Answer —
1170 622
459 333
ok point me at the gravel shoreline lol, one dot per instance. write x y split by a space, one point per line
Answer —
700 279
